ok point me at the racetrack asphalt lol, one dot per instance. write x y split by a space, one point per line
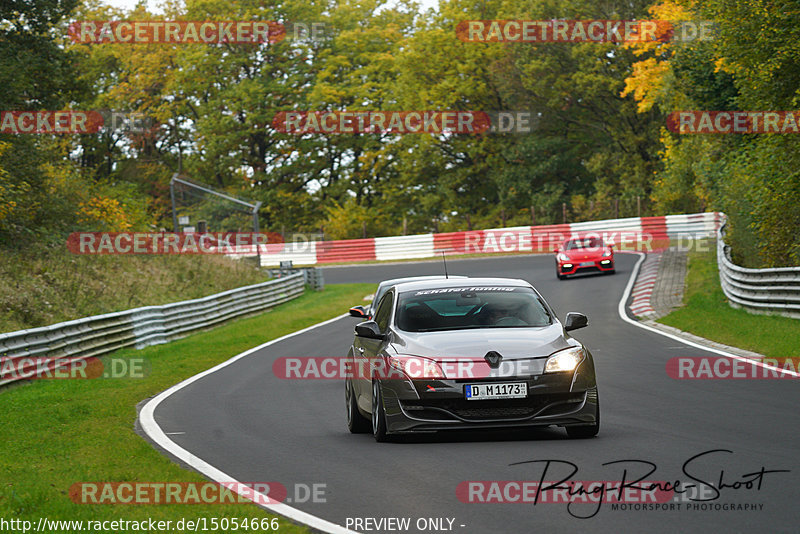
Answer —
256 427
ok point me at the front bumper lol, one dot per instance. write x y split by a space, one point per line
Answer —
602 265
560 399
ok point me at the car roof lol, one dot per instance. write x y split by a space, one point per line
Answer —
395 281
584 235
470 282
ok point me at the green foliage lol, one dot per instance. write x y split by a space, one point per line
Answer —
598 142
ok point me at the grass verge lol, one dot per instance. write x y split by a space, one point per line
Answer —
59 432
706 313
42 286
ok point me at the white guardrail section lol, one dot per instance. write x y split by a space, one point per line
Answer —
758 290
54 346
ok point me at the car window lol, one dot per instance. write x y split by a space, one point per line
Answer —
381 291
384 310
588 242
462 308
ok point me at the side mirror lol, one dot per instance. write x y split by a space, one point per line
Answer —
369 329
575 320
358 311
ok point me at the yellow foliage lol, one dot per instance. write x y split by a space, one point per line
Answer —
106 211
649 75
645 82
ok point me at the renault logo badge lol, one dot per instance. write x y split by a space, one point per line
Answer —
493 359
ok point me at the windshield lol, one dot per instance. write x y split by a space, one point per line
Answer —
433 310
584 242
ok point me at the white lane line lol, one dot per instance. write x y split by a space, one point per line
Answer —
624 316
150 426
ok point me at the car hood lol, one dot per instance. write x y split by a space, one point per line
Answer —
511 343
584 254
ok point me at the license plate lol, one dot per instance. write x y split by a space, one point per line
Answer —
513 390
587 264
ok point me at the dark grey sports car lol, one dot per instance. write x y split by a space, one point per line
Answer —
473 353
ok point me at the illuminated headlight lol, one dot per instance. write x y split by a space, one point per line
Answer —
562 257
566 360
605 262
607 254
416 367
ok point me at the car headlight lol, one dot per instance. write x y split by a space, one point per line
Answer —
562 257
566 360
416 367
607 254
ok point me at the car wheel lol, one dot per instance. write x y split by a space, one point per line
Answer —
561 276
585 431
612 271
356 423
378 413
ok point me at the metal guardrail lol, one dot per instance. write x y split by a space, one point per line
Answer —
312 276
775 291
24 351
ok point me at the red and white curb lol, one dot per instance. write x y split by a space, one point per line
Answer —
643 288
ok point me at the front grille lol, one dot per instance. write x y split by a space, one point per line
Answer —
438 409
495 413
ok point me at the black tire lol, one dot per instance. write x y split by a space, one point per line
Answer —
378 414
612 271
356 423
585 431
561 276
